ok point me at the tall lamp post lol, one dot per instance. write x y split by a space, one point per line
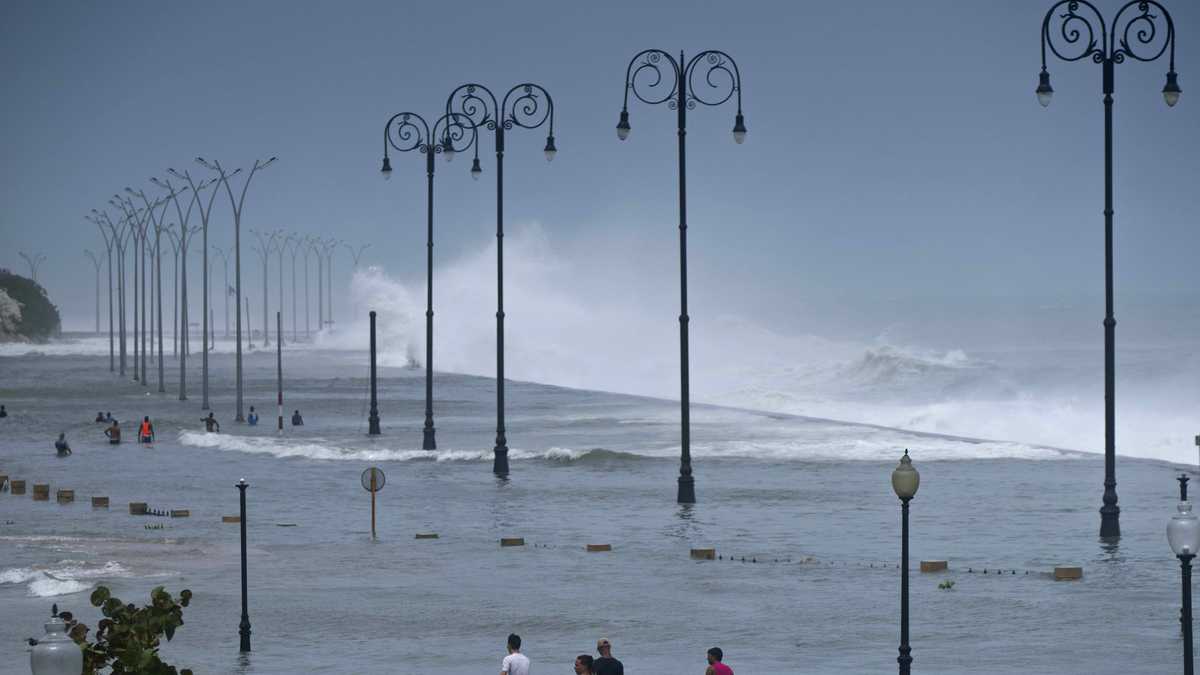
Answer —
119 236
1183 533
96 262
905 481
220 253
525 106
267 241
237 204
34 261
406 132
719 81
108 247
205 214
1070 32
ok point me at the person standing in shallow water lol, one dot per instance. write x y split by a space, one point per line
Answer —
146 432
606 664
211 425
3 411
515 663
61 447
113 433
252 418
715 667
297 420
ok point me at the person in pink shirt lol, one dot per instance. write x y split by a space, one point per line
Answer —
715 667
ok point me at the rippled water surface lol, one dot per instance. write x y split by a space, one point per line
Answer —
809 500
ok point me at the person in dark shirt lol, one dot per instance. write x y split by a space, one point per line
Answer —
3 412
61 447
210 424
252 419
297 420
583 665
100 417
606 664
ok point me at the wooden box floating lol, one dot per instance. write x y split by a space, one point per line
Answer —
598 548
41 492
137 508
934 566
100 502
1068 573
180 513
231 519
17 487
512 541
427 535
704 554
65 496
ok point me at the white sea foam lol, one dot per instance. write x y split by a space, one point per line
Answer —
63 578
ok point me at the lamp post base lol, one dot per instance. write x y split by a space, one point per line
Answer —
1110 521
244 632
687 489
373 425
500 463
428 442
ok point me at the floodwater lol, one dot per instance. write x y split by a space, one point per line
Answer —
809 500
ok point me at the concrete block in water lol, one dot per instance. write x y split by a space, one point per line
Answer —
41 492
934 566
598 548
427 535
65 496
704 554
180 513
137 508
17 487
1068 573
231 519
100 502
512 541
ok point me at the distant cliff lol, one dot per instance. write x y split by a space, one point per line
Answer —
26 313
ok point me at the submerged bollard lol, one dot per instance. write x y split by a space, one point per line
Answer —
41 492
427 535
512 541
704 554
17 487
3 480
1068 573
934 566
180 513
137 508
598 548
99 502
65 496
373 419
231 519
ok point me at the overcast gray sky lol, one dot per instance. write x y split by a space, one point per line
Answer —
896 150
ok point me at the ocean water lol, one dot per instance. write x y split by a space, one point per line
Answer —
805 501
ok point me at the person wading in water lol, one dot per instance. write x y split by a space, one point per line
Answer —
146 431
211 425
113 433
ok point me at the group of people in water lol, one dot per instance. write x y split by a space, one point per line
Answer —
145 433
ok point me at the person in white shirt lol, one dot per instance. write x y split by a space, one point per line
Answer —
515 663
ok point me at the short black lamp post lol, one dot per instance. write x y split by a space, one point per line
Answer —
244 626
525 106
905 481
1183 533
1142 30
710 78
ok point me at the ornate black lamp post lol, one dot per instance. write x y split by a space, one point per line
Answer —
905 481
1070 32
720 80
527 106
406 132
1183 533
244 625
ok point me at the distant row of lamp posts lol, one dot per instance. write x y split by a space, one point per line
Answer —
1141 30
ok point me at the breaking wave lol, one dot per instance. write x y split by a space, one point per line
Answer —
63 578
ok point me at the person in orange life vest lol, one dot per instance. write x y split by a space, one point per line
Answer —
146 431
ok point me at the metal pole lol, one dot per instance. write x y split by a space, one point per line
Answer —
1110 513
373 419
500 461
687 483
1185 561
237 310
905 660
244 626
136 239
429 442
111 352
158 282
372 504
145 331
279 328
279 365
183 313
307 304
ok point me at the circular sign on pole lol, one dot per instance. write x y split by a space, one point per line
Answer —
373 479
